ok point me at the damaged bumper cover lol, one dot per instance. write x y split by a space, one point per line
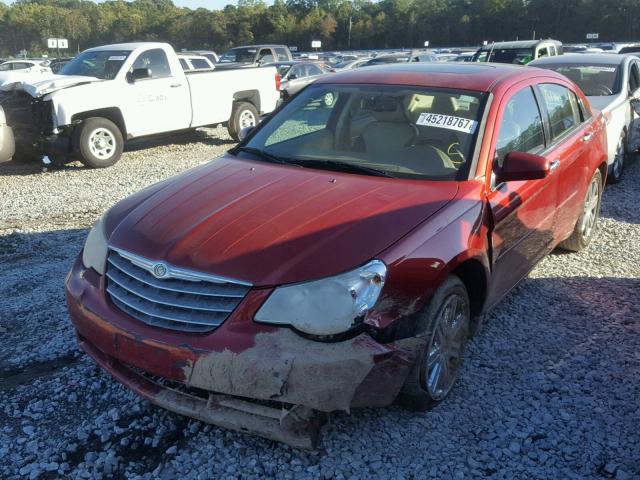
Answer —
244 368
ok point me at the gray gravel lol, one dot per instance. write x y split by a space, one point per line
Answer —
550 388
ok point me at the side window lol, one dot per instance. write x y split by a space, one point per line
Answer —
521 126
634 77
552 50
281 54
314 70
562 107
265 56
183 64
156 61
296 72
200 63
5 68
543 52
585 113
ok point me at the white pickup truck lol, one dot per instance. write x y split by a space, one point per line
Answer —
113 93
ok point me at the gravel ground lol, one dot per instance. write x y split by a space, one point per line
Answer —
550 388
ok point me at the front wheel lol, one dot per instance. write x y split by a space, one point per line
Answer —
99 142
445 326
243 115
587 223
620 159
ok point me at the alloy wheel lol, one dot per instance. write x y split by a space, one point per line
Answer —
446 346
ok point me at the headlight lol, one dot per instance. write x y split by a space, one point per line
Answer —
3 119
94 254
328 306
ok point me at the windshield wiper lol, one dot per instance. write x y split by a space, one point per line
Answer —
263 155
343 167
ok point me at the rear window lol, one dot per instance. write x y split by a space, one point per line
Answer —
407 132
518 56
593 80
242 55
200 63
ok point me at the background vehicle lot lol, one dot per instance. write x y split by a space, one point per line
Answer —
549 388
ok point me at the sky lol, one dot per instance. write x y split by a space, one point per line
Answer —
211 4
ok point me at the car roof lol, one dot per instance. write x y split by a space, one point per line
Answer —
519 44
477 77
131 46
583 58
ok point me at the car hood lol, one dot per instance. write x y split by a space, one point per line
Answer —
37 86
270 224
602 102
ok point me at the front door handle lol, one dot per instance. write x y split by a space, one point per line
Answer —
555 164
587 137
176 85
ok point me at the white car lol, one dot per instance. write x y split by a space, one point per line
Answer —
21 70
611 82
113 93
190 63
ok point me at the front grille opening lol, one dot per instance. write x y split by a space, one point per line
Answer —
181 302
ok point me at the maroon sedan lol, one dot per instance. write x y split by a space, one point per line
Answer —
341 255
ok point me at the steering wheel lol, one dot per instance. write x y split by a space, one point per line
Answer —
601 90
453 150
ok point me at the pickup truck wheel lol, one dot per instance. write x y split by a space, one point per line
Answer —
445 325
99 142
588 221
243 115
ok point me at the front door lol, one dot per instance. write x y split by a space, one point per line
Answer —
522 212
161 103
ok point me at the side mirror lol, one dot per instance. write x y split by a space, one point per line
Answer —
519 166
245 132
635 95
138 74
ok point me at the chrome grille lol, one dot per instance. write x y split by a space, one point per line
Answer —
171 297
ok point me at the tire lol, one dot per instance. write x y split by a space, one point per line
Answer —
99 142
587 223
622 157
424 388
243 114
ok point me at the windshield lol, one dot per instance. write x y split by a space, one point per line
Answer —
103 64
241 55
393 131
519 56
593 80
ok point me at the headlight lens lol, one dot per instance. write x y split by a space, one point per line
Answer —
94 254
328 306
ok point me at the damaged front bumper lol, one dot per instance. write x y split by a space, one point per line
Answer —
243 375
7 143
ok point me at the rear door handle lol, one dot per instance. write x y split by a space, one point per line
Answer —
176 85
555 164
587 137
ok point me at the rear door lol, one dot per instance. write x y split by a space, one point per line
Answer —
523 212
570 137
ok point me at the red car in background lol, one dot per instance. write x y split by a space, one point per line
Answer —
341 255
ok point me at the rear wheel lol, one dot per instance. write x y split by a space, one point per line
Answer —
620 160
445 325
243 115
587 223
99 142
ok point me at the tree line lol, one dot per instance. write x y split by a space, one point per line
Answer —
339 24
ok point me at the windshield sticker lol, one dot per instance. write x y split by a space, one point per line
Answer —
447 121
116 57
602 69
